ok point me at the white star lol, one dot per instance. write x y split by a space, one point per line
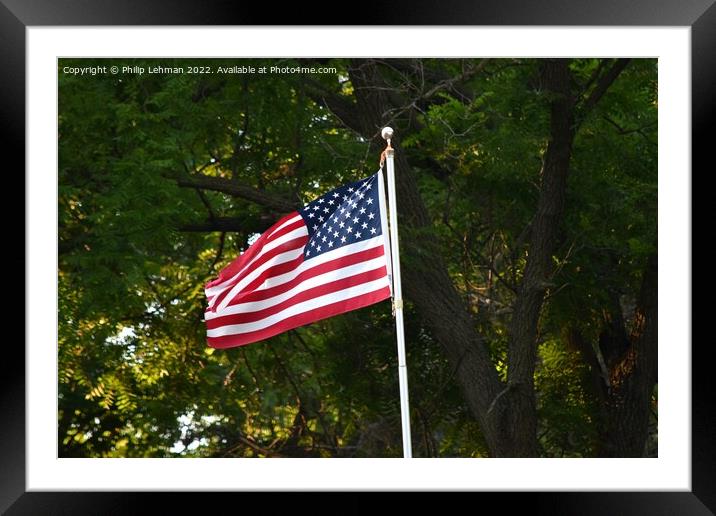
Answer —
345 197
308 253
318 234
370 201
325 210
341 225
350 229
335 233
364 184
354 205
331 202
368 187
321 218
362 211
355 220
361 195
357 234
315 207
315 227
343 210
343 240
364 225
311 215
306 208
313 244
372 231
348 214
335 195
320 200
318 249
330 244
323 239
350 189
370 216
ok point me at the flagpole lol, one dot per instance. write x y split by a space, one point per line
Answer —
387 135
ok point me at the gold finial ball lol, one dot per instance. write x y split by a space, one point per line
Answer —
387 133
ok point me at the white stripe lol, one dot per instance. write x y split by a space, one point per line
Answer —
316 281
296 233
289 221
324 258
313 262
305 306
276 260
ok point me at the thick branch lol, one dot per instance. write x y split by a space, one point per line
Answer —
219 184
222 224
340 106
603 84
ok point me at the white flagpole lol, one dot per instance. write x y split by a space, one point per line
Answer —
387 134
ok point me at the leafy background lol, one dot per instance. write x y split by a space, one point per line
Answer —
136 378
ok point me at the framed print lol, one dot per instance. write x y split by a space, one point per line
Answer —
172 152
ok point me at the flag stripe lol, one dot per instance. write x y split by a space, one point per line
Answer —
283 242
306 274
240 261
332 271
286 252
324 312
384 223
324 258
304 306
292 220
263 245
259 311
288 271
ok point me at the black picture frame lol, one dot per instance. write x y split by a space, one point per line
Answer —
17 15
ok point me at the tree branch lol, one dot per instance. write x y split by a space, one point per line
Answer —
232 224
340 106
603 84
249 193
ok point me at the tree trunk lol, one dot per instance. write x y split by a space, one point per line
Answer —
623 383
427 283
506 414
522 348
632 378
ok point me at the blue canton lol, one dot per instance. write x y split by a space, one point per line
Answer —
346 215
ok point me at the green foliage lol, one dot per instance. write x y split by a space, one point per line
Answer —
565 410
136 378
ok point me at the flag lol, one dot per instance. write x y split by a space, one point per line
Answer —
330 257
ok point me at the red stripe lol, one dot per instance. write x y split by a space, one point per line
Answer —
292 226
243 259
286 246
311 293
252 295
281 268
301 319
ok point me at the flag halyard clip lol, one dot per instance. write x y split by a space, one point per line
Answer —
396 304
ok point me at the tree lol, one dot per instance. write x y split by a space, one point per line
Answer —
527 200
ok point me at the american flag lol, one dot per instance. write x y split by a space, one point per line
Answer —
330 257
